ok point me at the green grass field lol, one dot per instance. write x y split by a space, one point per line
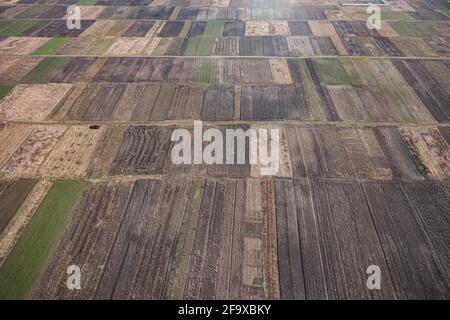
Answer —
4 90
332 72
20 27
45 70
50 46
29 256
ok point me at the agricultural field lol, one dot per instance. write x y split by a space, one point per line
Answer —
87 176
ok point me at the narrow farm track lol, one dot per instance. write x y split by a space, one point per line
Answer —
87 177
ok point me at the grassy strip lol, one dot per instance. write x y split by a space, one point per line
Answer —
28 258
446 11
185 241
332 72
46 70
395 15
199 46
87 2
50 46
17 28
413 29
4 90
214 28
35 74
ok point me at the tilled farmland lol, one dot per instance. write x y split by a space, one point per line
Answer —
87 177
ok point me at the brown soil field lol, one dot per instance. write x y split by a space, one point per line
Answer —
32 102
87 146
31 154
20 45
72 153
12 69
14 229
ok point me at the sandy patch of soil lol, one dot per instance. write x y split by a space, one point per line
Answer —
32 102
154 29
21 45
322 28
89 12
33 151
127 46
71 156
11 137
85 46
12 69
386 30
285 164
280 71
261 28
441 28
398 5
107 28
431 150
151 45
416 47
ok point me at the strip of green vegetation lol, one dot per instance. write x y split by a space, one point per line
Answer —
17 28
278 3
28 258
161 108
208 72
446 11
176 47
50 46
4 90
395 15
45 70
35 74
87 2
214 28
332 72
4 24
199 46
185 240
413 29
262 14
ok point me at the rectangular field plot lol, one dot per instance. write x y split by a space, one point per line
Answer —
24 264
149 220
278 102
72 153
32 102
80 245
433 92
144 150
328 227
284 239
12 68
12 194
61 69
379 154
418 262
28 158
225 149
400 101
